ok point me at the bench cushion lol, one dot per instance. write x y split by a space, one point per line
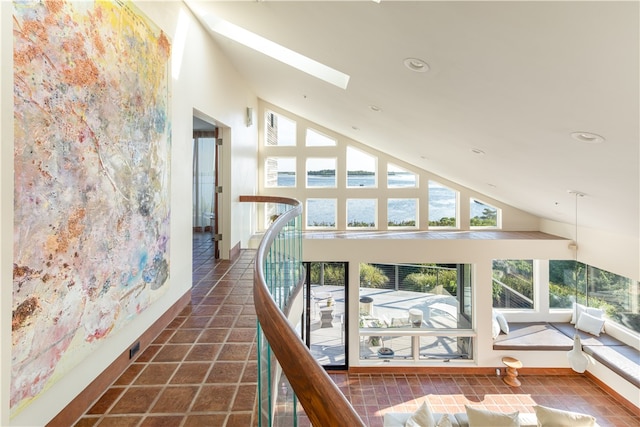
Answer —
586 338
624 360
533 336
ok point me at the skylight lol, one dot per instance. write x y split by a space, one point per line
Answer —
276 51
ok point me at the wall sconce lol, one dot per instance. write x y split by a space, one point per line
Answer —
249 117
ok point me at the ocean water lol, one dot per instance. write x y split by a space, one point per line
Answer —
442 202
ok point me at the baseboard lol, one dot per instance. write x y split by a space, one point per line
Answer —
234 252
81 403
455 370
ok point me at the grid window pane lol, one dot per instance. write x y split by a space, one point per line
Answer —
483 215
280 130
321 213
398 177
443 206
316 139
513 284
402 212
321 172
280 172
362 213
361 169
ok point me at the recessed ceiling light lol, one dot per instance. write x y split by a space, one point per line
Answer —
587 137
416 64
477 151
375 108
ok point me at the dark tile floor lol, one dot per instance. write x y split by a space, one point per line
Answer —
201 370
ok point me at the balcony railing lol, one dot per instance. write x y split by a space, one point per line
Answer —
287 372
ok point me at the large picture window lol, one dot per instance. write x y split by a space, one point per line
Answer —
280 172
513 284
280 130
321 213
617 296
443 206
400 301
361 169
362 213
483 215
321 172
402 213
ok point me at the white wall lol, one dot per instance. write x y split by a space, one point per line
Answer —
616 253
512 218
208 83
479 253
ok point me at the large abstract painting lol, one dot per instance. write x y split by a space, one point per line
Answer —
92 156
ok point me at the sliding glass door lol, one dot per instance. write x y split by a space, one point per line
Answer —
325 316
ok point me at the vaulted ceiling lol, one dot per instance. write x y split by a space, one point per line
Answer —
508 84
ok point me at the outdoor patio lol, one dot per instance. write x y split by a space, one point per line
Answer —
392 311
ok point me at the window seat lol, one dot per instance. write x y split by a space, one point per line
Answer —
533 336
619 357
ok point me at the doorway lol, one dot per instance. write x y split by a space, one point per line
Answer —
206 180
325 316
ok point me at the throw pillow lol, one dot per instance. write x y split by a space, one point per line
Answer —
550 417
578 309
423 417
504 326
485 418
495 327
590 324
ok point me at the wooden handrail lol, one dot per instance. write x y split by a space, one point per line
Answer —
322 400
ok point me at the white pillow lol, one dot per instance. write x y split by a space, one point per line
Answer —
504 326
590 324
495 327
550 417
485 418
423 417
578 309
595 312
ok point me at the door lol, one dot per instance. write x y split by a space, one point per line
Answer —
325 315
205 183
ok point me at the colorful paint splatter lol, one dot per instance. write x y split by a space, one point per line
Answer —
92 155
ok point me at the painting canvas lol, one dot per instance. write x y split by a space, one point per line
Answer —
91 201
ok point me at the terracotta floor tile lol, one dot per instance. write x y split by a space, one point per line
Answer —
162 421
120 421
136 400
185 336
172 353
217 335
226 372
206 420
106 400
242 335
175 399
86 422
239 420
245 398
214 398
203 352
149 353
234 352
156 373
191 373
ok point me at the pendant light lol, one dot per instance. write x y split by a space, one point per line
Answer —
577 359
